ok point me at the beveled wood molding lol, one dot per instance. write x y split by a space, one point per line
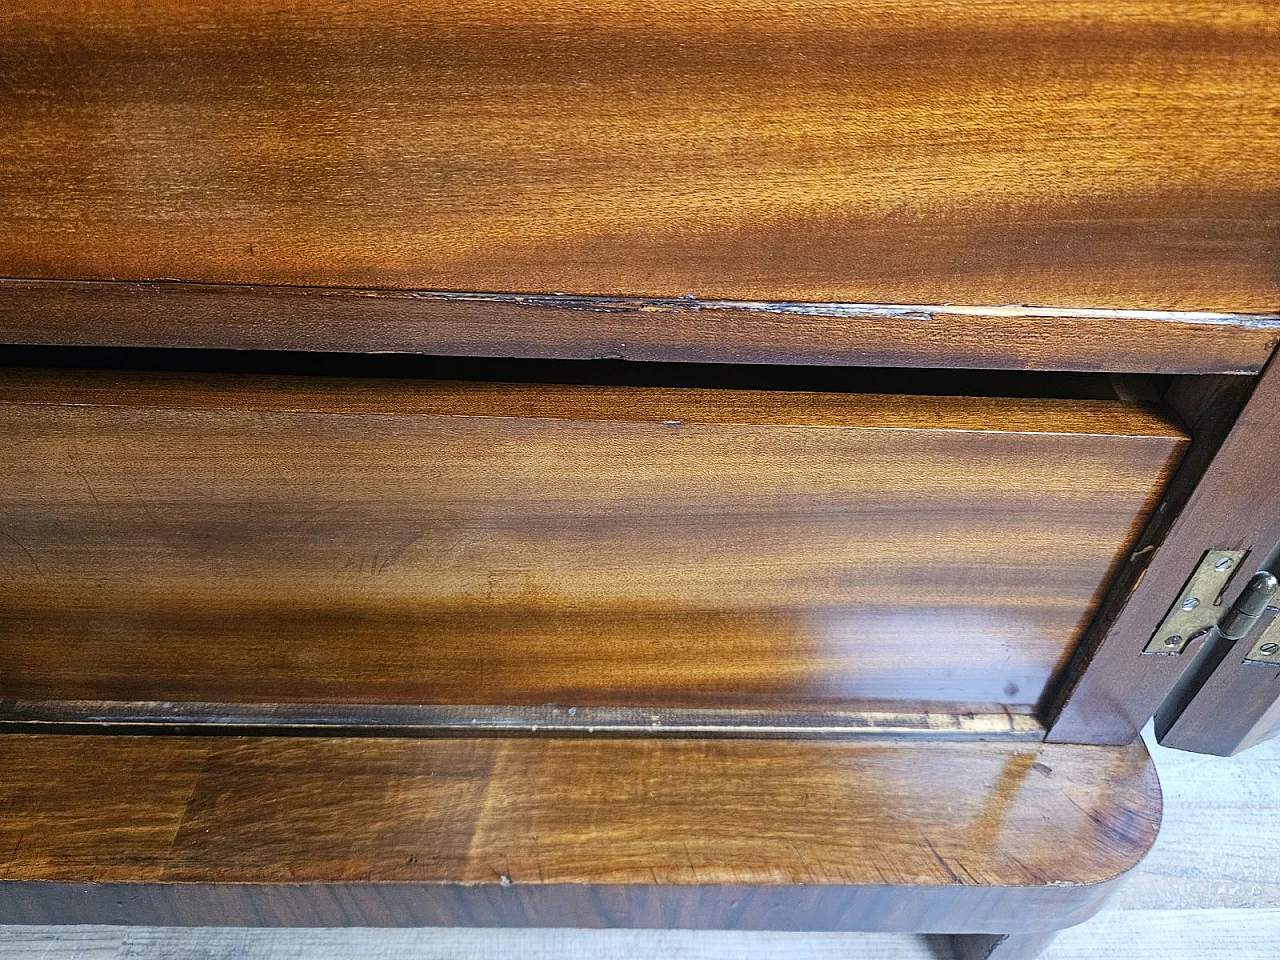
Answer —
868 721
560 326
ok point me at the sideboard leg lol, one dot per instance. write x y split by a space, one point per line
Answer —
1000 946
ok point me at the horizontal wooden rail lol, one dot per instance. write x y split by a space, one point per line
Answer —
876 721
226 316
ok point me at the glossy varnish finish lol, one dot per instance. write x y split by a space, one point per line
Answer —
267 540
1082 153
694 833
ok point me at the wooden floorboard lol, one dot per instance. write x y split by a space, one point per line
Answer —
1219 845
154 943
1131 934
1209 889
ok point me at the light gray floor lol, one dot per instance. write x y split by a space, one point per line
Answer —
1209 889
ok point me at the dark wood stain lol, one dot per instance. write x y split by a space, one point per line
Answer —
1001 946
817 183
1236 705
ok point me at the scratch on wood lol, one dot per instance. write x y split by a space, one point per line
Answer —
18 543
941 862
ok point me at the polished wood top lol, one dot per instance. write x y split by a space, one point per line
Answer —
1106 153
494 820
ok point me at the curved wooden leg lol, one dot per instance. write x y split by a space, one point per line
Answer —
1000 946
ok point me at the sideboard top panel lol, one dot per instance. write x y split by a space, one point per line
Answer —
1120 155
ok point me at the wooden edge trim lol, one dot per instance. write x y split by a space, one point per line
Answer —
562 326
668 406
382 720
867 909
251 831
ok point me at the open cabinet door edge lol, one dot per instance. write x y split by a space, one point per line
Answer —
1113 688
1236 708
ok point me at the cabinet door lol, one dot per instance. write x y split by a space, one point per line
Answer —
1210 693
1229 699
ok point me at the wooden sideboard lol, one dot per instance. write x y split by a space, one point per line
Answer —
748 464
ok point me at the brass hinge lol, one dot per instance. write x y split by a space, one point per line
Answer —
1267 648
1197 610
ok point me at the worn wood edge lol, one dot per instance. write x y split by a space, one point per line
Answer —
668 406
174 313
381 720
692 304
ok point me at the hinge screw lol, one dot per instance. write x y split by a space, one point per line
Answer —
1269 648
1172 641
1223 564
1190 603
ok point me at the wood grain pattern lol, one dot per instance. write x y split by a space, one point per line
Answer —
1082 153
1209 887
672 833
1112 690
269 540
227 316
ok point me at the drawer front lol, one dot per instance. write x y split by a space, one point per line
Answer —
273 540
